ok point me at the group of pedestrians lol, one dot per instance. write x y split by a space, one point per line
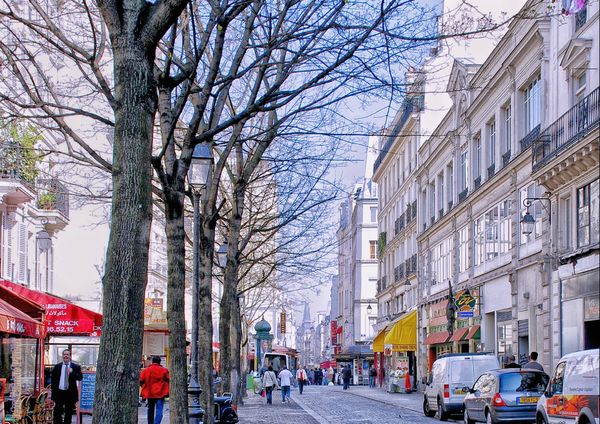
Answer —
270 383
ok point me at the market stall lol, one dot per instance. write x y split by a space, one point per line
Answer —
400 345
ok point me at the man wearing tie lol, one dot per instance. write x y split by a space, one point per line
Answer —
64 378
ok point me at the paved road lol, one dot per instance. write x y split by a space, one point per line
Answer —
331 405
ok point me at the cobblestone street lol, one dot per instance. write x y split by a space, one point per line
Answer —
332 405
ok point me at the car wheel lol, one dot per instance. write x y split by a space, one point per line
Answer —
466 418
539 419
426 410
441 414
488 417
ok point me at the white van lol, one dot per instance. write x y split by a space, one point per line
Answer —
572 393
451 377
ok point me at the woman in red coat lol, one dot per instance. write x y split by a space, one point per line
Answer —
155 387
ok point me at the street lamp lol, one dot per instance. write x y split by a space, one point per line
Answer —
198 175
528 221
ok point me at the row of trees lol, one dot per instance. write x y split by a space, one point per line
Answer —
129 88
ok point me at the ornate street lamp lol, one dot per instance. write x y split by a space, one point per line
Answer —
528 221
222 254
198 175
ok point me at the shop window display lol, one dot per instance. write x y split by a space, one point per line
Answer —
18 366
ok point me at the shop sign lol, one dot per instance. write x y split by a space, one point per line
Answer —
153 311
334 332
282 321
591 310
465 304
387 349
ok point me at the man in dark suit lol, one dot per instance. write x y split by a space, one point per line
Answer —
64 378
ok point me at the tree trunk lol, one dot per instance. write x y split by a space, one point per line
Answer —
236 344
124 281
178 404
205 330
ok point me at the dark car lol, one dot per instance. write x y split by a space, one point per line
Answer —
505 396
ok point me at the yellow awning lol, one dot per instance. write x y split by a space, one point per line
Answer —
378 340
403 334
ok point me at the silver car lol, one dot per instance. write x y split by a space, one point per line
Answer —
505 396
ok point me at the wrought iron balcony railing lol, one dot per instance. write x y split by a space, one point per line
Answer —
567 130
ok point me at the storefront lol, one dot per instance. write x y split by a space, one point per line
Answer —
21 347
378 355
400 345
360 359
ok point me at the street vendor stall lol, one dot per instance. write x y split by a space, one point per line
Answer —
400 344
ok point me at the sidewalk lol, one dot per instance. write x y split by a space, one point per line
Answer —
410 401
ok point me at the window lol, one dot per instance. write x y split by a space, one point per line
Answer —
442 260
556 385
464 171
507 128
579 87
581 17
492 233
373 214
432 201
532 96
450 183
477 157
567 222
491 127
535 210
588 205
463 248
440 191
372 249
523 382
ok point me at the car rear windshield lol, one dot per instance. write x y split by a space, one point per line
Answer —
523 382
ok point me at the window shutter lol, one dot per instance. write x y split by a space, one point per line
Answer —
8 232
22 253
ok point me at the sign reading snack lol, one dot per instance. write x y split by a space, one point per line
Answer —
282 320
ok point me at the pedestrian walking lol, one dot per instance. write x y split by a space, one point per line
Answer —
332 373
346 374
533 363
64 378
302 379
372 375
155 388
318 376
285 376
512 363
311 376
269 382
325 377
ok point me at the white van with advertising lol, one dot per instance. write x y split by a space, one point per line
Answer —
451 377
572 393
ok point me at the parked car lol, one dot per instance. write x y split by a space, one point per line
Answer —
451 377
572 394
506 395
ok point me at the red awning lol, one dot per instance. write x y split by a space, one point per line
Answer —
63 318
472 332
437 338
14 321
458 334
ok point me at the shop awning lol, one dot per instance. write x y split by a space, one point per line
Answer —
437 338
63 318
473 333
403 334
458 334
378 340
15 321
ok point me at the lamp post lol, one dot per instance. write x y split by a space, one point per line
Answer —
198 175
528 221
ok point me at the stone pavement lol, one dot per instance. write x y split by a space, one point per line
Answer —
410 401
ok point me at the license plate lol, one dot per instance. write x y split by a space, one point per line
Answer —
528 399
459 392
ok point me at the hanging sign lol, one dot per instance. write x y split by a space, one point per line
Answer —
465 304
282 321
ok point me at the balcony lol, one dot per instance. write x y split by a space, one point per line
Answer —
17 175
505 158
491 171
477 182
414 209
450 205
441 213
463 195
567 130
52 203
528 140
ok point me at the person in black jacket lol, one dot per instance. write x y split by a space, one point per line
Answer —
64 378
512 363
346 374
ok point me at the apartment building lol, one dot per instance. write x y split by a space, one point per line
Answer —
357 266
